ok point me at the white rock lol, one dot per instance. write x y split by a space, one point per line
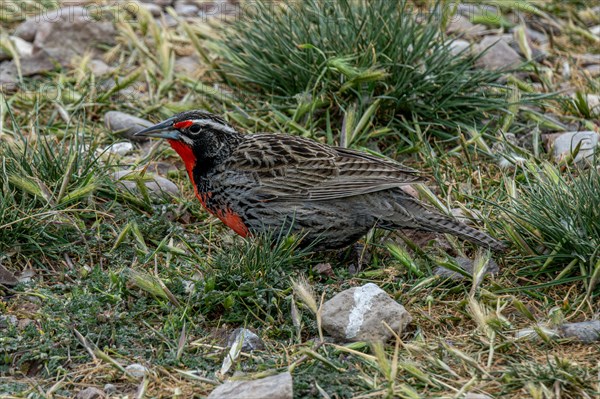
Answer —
357 314
158 187
120 148
274 387
136 370
593 102
565 143
532 334
459 46
23 47
186 10
471 395
595 30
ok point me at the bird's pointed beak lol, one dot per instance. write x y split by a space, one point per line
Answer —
163 130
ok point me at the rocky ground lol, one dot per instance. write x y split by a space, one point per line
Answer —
152 297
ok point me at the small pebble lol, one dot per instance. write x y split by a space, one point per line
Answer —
90 393
120 148
110 389
585 331
251 341
136 370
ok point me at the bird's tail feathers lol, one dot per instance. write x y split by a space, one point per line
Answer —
442 224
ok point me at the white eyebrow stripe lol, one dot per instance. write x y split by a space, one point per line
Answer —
214 125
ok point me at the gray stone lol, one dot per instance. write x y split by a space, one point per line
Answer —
357 314
188 65
585 331
27 29
467 265
161 3
99 68
167 21
593 70
250 341
595 30
461 25
8 76
538 52
110 389
536 36
153 9
69 12
498 54
6 321
587 59
37 64
125 124
225 10
7 277
459 46
565 143
67 34
274 387
470 10
186 10
90 393
158 187
34 65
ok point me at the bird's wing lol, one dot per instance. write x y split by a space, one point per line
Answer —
290 168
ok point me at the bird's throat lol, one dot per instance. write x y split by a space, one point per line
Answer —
187 154
227 216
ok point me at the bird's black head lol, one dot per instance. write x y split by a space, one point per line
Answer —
199 137
189 127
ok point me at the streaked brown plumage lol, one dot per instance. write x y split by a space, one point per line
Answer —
333 196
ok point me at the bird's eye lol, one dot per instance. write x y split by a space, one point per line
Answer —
195 128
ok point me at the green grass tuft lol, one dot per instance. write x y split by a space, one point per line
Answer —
555 219
366 62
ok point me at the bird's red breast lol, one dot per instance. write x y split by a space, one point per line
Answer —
227 216
186 153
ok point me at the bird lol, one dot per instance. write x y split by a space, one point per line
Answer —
268 182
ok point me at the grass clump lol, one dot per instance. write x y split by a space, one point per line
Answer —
44 183
372 61
556 220
250 280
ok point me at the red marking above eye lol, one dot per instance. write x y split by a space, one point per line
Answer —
183 124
